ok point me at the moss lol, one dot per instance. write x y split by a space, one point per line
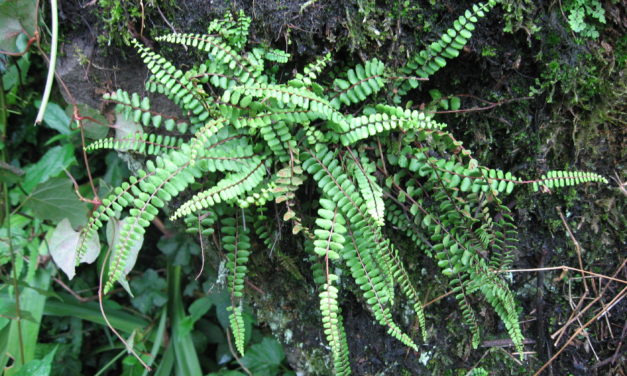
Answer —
123 20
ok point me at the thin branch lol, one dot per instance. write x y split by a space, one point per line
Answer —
579 330
564 267
575 242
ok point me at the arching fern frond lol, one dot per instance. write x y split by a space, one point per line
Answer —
244 66
226 189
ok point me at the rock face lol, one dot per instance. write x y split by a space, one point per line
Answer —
494 65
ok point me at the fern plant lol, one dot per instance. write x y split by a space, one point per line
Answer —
249 139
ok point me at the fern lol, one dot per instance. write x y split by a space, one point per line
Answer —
373 173
236 242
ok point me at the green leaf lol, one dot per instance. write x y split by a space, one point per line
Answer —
435 94
94 124
179 249
17 17
149 291
50 165
455 103
114 228
10 174
56 118
55 200
64 244
38 367
264 358
200 307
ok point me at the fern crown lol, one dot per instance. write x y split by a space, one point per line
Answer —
249 140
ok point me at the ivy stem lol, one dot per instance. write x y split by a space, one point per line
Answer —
53 62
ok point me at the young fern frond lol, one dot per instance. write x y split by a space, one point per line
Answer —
234 32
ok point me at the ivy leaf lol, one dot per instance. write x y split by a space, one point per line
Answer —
179 249
64 244
50 165
55 200
264 358
56 118
98 127
17 17
149 290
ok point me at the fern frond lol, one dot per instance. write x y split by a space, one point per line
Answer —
138 109
311 72
366 273
168 177
428 61
236 242
370 190
279 139
243 67
236 322
402 278
111 206
142 143
558 179
332 315
361 82
274 55
365 126
287 96
226 189
177 85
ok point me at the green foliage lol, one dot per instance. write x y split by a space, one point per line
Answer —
581 13
375 169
